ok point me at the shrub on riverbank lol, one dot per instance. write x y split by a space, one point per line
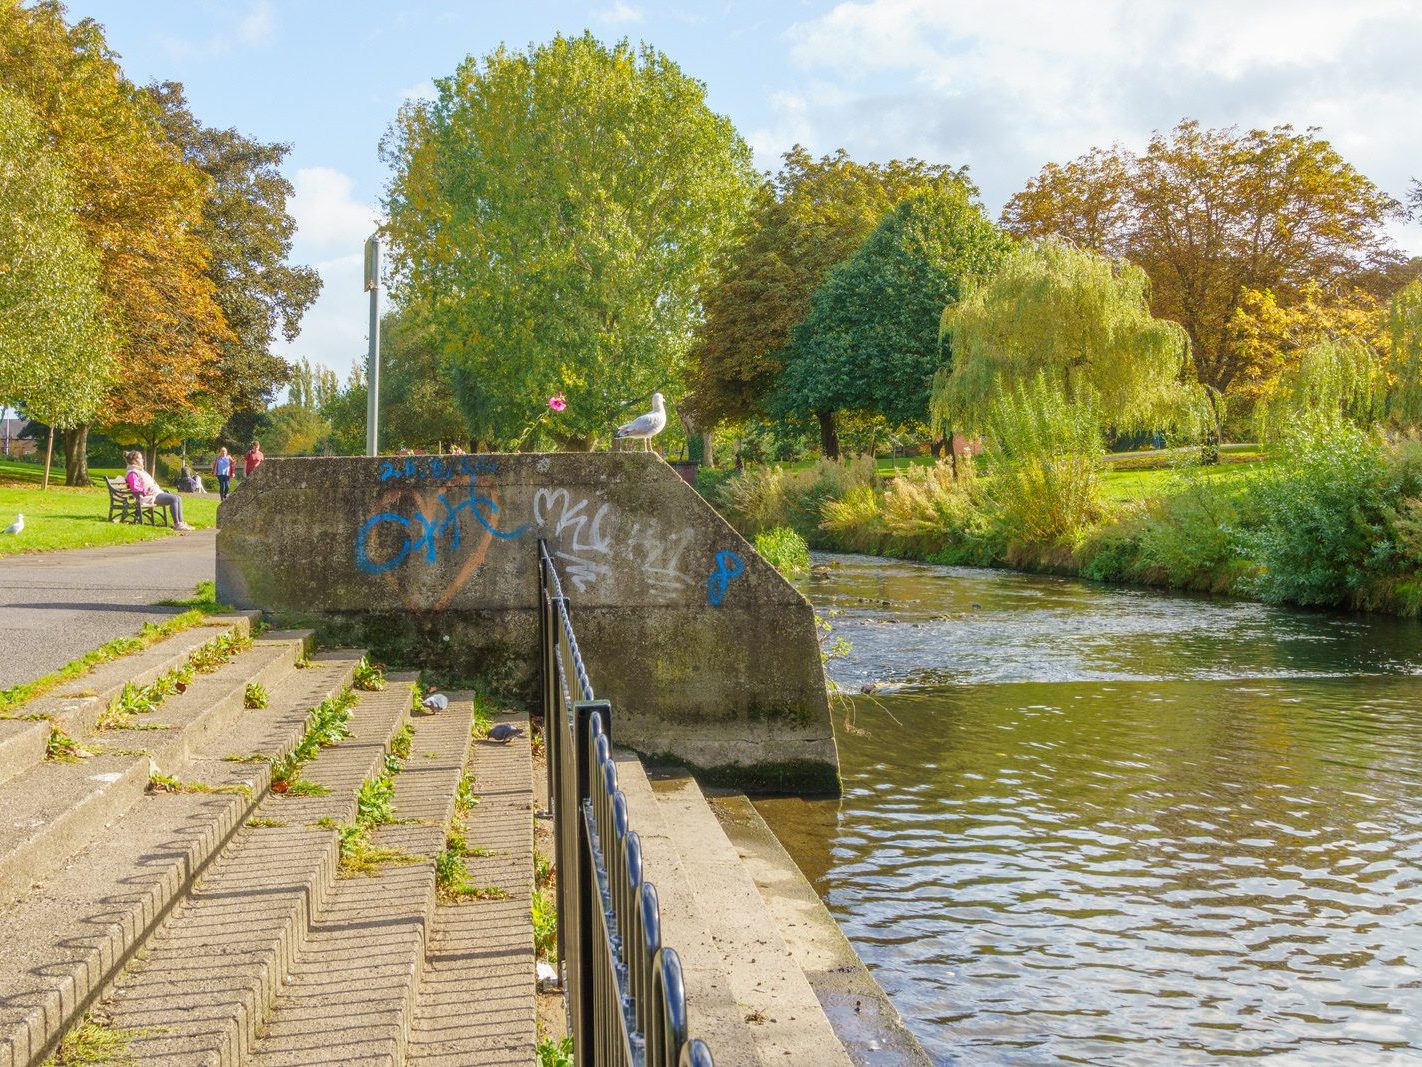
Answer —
785 550
1336 520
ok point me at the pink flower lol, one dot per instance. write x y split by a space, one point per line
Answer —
557 403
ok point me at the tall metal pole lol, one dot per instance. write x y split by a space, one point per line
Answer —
372 363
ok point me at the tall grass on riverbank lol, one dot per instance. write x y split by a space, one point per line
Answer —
1334 520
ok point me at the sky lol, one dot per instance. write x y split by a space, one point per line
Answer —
1003 86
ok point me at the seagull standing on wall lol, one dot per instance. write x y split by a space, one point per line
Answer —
15 527
644 427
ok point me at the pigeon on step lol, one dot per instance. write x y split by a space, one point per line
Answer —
505 732
435 702
15 527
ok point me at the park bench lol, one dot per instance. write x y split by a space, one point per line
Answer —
125 507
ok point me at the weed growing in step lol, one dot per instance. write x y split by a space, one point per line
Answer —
452 882
163 783
62 748
556 1053
400 744
301 788
361 856
255 697
375 803
485 709
465 799
204 599
151 634
94 1039
265 824
545 924
544 874
133 700
328 724
305 663
369 677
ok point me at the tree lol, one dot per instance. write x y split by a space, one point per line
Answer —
1079 320
295 431
417 404
871 341
313 386
1404 348
139 205
1212 215
52 338
807 219
247 231
553 215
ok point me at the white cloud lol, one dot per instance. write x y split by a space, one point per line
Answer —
331 227
621 11
256 26
1007 86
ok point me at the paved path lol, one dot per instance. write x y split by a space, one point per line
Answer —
55 606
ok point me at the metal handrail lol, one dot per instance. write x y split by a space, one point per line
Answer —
626 999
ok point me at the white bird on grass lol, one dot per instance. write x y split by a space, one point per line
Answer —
644 427
15 527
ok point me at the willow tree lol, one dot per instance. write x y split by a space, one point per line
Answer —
52 342
1339 380
1079 319
1404 340
554 215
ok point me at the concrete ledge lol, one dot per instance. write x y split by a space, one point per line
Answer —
862 1015
707 653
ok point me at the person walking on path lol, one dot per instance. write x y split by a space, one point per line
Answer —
253 459
141 484
222 471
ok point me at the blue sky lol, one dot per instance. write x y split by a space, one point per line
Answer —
1002 85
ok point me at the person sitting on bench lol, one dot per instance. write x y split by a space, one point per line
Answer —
141 484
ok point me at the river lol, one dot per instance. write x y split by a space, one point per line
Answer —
1090 824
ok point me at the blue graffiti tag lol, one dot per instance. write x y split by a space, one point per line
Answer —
729 567
436 468
429 530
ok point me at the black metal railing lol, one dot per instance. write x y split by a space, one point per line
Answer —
625 995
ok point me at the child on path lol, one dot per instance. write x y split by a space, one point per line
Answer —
222 471
141 484
253 459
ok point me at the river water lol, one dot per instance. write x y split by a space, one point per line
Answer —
1089 824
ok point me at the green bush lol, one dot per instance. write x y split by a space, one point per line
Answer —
785 550
1325 517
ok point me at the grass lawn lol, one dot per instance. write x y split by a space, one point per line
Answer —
61 517
1120 486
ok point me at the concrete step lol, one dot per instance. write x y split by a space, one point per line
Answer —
69 936
349 997
52 809
475 1004
76 705
22 745
209 976
858 1008
712 1011
787 1023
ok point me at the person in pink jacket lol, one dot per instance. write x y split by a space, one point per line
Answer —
141 484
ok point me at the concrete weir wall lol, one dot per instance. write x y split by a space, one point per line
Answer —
709 656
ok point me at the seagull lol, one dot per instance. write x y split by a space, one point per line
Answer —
505 732
15 527
644 427
435 702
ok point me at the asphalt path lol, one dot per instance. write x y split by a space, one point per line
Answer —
56 606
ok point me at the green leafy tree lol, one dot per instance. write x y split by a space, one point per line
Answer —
1079 318
807 219
52 340
247 231
871 340
553 215
1405 356
345 413
418 408
1212 215
295 431
139 205
312 386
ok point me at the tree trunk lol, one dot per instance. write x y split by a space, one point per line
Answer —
76 455
708 459
829 439
48 457
952 453
1210 453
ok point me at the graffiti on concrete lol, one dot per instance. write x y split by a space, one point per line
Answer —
659 557
577 530
436 468
729 567
421 533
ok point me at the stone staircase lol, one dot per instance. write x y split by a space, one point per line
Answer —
177 888
162 897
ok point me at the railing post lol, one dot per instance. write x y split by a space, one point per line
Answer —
582 987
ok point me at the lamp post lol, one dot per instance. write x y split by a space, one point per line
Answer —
372 364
